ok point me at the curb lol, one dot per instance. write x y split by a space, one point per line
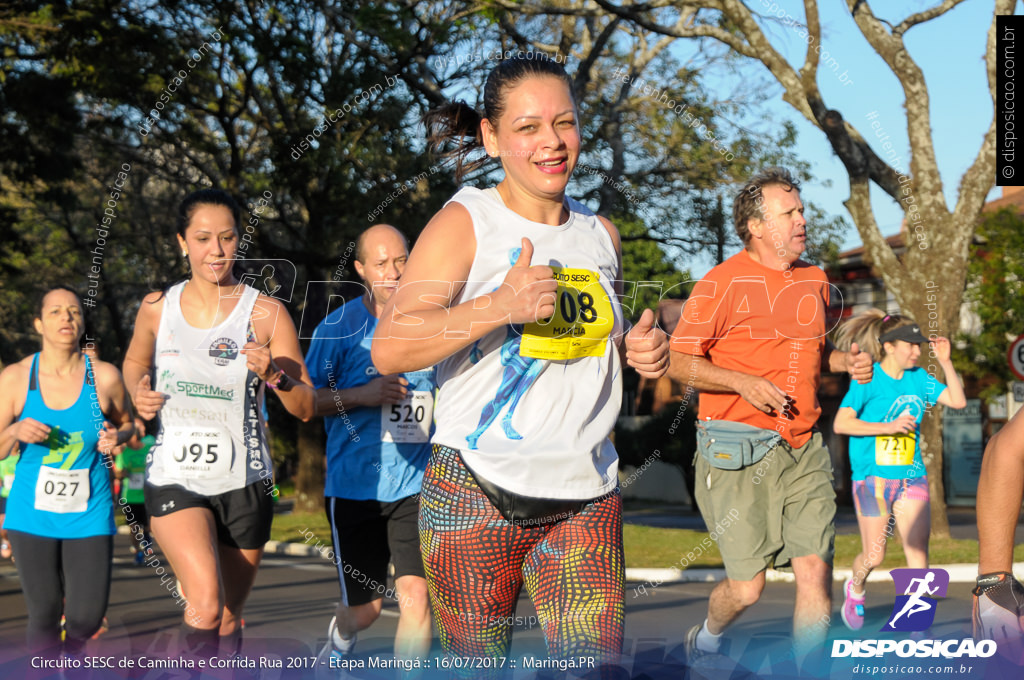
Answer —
958 573
290 548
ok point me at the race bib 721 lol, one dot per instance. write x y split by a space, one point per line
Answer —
895 449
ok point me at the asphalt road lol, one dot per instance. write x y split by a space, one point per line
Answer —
293 599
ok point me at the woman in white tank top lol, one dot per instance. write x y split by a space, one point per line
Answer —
199 358
514 293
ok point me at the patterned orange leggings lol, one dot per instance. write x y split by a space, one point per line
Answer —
476 563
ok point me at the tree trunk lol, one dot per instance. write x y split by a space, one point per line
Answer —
931 451
309 477
931 292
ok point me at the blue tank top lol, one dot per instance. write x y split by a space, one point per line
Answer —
62 486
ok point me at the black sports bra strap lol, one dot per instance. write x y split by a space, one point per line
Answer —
33 375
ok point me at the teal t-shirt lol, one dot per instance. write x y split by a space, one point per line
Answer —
883 400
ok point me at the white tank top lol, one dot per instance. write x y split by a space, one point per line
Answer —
538 425
211 438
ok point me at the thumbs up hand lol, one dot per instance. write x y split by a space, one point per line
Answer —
147 401
859 364
647 347
529 290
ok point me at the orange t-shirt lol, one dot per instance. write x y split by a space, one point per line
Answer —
746 317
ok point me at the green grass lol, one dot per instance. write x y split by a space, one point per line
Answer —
654 547
657 547
290 527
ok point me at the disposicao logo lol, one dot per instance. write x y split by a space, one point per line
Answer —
914 610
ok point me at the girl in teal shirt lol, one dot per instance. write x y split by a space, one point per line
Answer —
883 420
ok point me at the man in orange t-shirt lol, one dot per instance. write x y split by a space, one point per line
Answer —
752 339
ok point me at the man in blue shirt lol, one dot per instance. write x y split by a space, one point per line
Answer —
378 444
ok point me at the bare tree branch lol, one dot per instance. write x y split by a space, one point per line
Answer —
927 15
923 165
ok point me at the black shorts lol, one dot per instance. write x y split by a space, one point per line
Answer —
367 535
134 513
242 516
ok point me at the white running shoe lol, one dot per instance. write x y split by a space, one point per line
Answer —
336 648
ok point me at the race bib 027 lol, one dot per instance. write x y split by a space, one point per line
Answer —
581 324
62 490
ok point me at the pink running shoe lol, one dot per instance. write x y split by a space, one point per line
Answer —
853 607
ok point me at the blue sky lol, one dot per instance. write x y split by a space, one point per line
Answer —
950 50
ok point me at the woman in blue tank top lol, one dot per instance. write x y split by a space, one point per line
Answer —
63 413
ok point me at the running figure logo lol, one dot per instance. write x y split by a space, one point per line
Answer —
914 610
518 374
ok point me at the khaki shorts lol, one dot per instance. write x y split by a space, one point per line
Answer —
765 514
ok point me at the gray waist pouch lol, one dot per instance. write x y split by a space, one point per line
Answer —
729 445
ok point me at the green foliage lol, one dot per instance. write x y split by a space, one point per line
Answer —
648 274
313 110
824 235
995 295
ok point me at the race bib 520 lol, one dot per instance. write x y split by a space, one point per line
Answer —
409 420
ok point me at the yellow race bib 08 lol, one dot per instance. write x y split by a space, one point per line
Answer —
581 324
895 449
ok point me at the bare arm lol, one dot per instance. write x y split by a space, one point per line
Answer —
1000 488
699 373
139 359
953 396
855 362
13 384
645 347
420 310
847 423
279 359
116 406
388 389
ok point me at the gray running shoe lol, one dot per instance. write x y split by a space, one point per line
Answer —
706 665
999 614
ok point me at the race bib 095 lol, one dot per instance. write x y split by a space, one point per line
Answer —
197 452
